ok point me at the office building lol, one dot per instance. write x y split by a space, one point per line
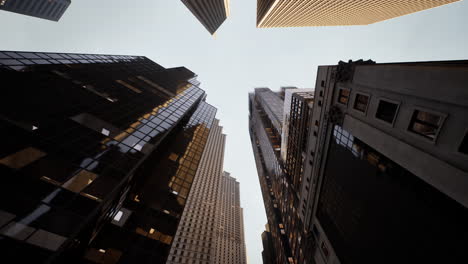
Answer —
280 195
211 13
268 253
387 159
46 9
304 13
98 155
211 228
194 238
230 240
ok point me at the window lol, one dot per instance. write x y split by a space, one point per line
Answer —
387 111
425 124
464 145
325 249
343 96
361 102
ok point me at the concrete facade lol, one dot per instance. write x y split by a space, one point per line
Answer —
351 96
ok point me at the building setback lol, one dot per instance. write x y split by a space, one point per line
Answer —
388 163
211 13
303 13
99 153
46 9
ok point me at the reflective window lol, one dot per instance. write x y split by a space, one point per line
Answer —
78 182
464 145
361 102
46 240
343 96
22 158
387 111
425 124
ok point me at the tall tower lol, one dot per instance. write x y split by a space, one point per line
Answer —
211 227
46 9
230 244
265 126
303 13
211 13
194 241
99 153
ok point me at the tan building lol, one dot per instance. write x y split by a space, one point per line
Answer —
213 202
230 244
305 13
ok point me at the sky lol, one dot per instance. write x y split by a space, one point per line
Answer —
239 58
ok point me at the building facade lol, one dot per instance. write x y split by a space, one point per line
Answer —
280 195
230 240
268 253
99 153
388 162
211 13
211 228
303 13
194 240
46 9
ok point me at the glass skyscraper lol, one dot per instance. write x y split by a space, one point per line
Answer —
46 9
98 155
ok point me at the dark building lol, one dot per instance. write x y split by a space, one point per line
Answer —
279 193
46 9
388 162
268 253
90 153
211 13
298 128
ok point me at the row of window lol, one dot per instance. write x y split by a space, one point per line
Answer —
424 123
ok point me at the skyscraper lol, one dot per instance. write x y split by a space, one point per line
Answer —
268 253
229 228
280 195
194 241
303 13
211 228
98 155
388 163
211 13
46 9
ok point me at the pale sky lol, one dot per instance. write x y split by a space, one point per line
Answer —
238 59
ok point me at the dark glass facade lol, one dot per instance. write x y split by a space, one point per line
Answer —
211 13
268 253
98 154
383 213
46 9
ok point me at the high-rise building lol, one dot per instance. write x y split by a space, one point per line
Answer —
211 13
194 240
211 228
46 9
303 13
268 253
387 160
280 195
98 154
229 228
